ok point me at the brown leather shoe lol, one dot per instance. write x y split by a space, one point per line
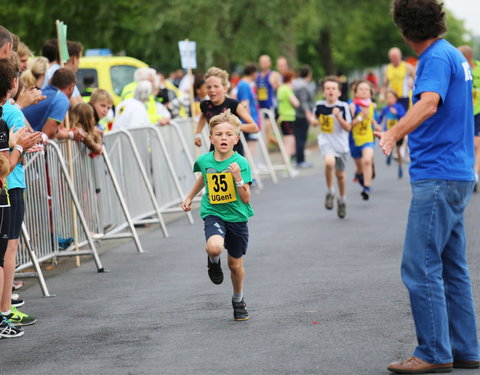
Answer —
466 364
414 365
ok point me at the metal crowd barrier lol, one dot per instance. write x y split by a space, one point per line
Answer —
286 165
63 213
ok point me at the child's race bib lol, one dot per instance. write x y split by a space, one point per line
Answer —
326 124
391 123
262 93
221 187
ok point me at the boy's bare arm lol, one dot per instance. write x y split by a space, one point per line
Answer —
244 189
250 126
187 203
343 123
201 123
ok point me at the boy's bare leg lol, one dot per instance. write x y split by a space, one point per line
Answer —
214 246
329 169
9 274
341 182
367 158
237 274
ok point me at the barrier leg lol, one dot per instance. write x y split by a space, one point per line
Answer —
36 265
116 186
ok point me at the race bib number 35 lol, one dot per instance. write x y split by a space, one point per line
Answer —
221 188
326 124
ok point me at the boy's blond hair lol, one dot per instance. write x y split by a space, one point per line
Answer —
101 95
4 167
225 117
220 74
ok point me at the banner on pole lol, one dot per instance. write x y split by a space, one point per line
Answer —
62 42
188 54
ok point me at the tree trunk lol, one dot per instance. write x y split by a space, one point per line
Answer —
324 49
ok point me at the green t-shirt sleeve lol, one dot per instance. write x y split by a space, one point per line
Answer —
245 171
196 167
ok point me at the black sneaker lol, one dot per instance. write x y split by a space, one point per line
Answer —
341 209
7 330
215 272
17 302
240 310
365 195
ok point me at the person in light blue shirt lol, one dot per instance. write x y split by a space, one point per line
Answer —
440 127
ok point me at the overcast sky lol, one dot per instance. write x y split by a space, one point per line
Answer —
467 10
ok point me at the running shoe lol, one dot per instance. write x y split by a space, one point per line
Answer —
7 330
17 302
329 201
17 285
341 209
18 318
365 195
215 272
240 310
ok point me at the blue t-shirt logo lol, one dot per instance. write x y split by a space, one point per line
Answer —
468 72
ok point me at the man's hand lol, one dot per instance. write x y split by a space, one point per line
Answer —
234 169
387 141
29 96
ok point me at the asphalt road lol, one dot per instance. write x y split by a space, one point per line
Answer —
324 294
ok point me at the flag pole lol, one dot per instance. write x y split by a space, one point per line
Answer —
69 150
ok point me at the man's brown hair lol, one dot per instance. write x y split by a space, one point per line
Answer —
62 78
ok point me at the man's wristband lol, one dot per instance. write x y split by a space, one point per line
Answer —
71 134
240 183
198 136
19 148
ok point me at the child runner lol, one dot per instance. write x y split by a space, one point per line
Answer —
287 102
335 121
225 206
361 135
389 116
217 86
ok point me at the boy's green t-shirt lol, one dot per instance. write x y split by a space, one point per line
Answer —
221 197
285 109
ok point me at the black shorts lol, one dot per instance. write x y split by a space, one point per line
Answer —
287 127
4 226
234 234
17 212
476 119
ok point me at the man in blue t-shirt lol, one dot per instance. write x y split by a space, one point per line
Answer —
440 127
47 115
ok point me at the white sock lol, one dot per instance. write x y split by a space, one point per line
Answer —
214 259
6 313
330 191
342 199
237 297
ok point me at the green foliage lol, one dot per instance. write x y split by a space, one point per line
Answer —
327 34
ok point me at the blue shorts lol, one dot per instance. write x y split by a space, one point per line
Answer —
235 235
356 151
476 119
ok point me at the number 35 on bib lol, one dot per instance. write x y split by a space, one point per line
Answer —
221 188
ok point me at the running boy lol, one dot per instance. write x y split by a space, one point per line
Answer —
217 83
225 206
335 121
389 116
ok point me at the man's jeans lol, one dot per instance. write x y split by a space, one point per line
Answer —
435 272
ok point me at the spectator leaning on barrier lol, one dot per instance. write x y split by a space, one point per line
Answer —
34 76
24 54
131 112
20 141
82 116
47 115
440 127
